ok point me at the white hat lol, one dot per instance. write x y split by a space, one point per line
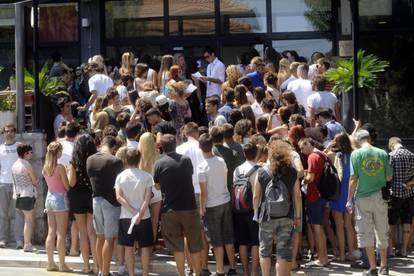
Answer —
161 100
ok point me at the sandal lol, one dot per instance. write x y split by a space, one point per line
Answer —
52 268
316 264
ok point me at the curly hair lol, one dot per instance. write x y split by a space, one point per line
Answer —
83 148
233 75
279 156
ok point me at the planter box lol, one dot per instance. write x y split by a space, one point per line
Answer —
7 117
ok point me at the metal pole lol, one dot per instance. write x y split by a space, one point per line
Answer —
36 121
355 42
19 60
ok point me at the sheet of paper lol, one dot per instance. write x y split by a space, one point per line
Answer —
197 75
190 88
133 221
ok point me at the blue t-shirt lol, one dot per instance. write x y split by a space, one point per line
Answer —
333 129
256 79
225 110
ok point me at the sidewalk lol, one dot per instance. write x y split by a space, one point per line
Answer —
163 263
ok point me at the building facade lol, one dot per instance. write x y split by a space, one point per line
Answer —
80 29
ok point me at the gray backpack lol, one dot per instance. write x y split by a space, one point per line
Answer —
276 201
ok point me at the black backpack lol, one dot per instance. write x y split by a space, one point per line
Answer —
242 194
329 185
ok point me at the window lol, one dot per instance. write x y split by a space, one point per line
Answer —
301 15
132 18
189 17
59 22
304 47
7 61
390 108
6 25
231 53
385 14
115 53
243 16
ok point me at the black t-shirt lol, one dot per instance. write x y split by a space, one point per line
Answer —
232 160
165 127
102 169
288 175
174 173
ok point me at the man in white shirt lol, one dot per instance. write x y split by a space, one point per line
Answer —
133 192
192 150
68 143
215 206
215 73
301 87
8 155
98 83
245 229
321 99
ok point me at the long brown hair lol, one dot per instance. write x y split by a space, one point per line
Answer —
279 156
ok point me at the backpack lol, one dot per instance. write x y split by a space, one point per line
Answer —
242 194
329 185
276 199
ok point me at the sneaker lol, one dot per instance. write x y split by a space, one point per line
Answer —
29 248
359 265
19 245
231 271
121 269
371 272
384 270
2 244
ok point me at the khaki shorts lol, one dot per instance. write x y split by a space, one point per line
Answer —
371 218
176 225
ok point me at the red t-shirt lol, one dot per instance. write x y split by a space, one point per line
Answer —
315 166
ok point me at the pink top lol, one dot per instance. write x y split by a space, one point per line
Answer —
54 183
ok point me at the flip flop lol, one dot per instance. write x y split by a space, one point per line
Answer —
315 264
52 268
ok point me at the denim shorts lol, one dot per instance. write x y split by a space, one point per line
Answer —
314 211
56 202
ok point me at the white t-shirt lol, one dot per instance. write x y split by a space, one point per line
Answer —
150 74
23 185
191 150
67 152
8 155
213 171
100 83
250 97
322 100
312 71
244 169
257 110
122 91
215 70
302 89
132 183
131 144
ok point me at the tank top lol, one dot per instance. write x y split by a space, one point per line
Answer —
54 183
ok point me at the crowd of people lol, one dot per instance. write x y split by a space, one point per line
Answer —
232 159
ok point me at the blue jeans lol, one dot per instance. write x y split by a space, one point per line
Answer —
8 212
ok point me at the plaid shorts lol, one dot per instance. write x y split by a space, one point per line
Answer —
282 230
218 224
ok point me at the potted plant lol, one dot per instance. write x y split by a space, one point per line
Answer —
369 69
7 109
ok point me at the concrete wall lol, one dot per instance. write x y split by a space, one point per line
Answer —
38 142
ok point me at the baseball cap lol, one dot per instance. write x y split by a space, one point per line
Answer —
161 100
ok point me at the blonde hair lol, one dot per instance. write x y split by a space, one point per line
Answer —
121 154
260 66
149 153
166 62
51 158
178 87
233 75
100 120
284 71
126 64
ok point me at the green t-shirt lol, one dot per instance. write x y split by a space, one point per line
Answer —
371 166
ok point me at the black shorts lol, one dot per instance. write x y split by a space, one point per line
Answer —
142 233
25 203
246 231
402 209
